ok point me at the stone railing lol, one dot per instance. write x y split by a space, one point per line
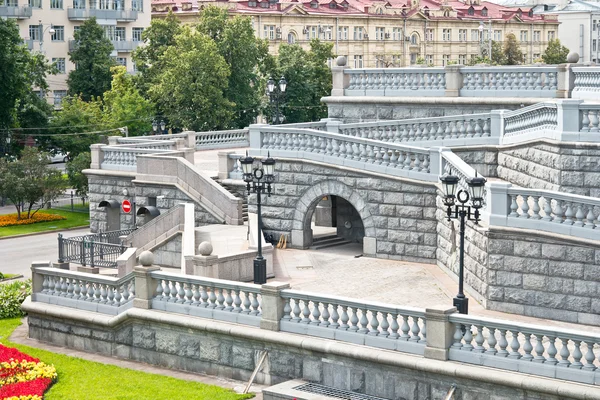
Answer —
83 291
452 164
544 210
209 298
509 81
525 348
396 82
316 125
537 119
221 139
157 230
364 154
125 158
586 83
350 320
590 118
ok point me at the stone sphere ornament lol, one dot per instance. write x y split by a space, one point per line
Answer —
341 61
205 248
146 258
573 57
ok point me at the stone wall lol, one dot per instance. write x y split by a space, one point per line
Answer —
483 159
569 167
169 254
399 213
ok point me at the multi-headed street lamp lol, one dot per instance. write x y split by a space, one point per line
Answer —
463 212
258 180
276 94
159 124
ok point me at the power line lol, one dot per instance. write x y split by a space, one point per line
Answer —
71 126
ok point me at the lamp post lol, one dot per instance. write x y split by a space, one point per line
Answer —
52 31
159 124
276 94
258 180
481 46
463 212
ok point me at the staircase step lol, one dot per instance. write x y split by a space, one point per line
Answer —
318 239
330 244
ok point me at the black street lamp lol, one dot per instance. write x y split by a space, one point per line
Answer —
261 177
159 124
463 212
276 94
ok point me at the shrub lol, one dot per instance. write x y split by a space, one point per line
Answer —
12 296
13 219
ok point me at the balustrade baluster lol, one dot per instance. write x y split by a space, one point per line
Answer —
212 298
174 291
63 287
569 214
237 302
77 289
334 316
594 121
502 343
353 319
204 297
180 294
467 339
479 339
384 325
111 295
576 364
513 206
255 304
579 215
458 335
70 288
415 330
364 322
589 219
118 295
305 312
536 208
220 299
524 207
590 357
564 353
491 341
103 294
558 213
515 345
228 300
344 319
539 349
316 314
195 295
551 351
527 347
405 328
84 291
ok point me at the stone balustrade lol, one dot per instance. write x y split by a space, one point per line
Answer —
525 348
509 81
538 117
316 125
349 320
125 158
586 82
106 295
590 118
396 82
221 139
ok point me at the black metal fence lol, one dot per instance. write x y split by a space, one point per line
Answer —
96 250
71 202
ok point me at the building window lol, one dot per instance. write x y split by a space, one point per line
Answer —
34 32
58 97
269 32
462 59
497 36
59 34
379 33
445 59
537 36
137 5
536 56
342 32
594 25
76 29
79 4
136 34
56 4
379 61
523 37
121 61
462 35
594 45
396 60
358 61
358 33
486 35
291 38
550 35
429 35
35 3
414 39
525 58
475 35
327 32
484 12
471 11
59 63
429 59
397 34
120 34
109 32
252 4
447 35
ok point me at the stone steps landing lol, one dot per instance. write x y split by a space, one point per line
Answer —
325 242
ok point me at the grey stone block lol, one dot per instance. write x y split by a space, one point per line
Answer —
527 249
554 251
312 370
209 349
520 296
143 337
501 246
566 269
166 341
536 282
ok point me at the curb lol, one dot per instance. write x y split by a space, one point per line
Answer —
14 278
43 232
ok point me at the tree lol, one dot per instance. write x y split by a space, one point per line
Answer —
92 76
190 88
555 53
77 179
30 182
512 50
244 53
125 106
498 57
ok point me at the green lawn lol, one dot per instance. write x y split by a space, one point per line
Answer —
8 276
74 219
81 379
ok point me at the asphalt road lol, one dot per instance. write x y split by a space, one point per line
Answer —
16 254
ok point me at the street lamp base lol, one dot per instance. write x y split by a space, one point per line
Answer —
461 304
260 271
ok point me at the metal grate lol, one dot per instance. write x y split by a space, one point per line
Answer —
335 393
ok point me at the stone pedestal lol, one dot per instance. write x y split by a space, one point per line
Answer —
439 332
88 270
61 265
272 304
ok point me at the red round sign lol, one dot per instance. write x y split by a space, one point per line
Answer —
126 206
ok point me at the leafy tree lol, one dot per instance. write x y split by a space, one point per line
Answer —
92 76
512 50
498 57
244 53
555 53
190 88
78 180
125 106
29 181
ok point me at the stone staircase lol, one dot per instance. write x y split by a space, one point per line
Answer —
232 189
326 241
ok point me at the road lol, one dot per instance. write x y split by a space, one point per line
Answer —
16 254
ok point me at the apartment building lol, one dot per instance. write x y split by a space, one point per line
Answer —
48 26
392 33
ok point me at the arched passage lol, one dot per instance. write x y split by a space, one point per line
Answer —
302 235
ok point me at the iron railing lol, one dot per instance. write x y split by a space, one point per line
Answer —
97 250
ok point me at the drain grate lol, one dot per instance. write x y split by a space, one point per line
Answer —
335 393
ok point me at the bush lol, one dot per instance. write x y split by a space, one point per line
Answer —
13 219
12 296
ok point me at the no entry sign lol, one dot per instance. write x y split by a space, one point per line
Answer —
126 206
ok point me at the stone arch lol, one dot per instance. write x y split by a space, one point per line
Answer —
301 229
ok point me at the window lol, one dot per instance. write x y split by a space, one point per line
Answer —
594 25
59 63
414 39
429 59
342 32
396 60
523 37
594 45
58 96
397 34
486 35
497 36
537 36
252 4
462 35
484 12
39 93
59 33
447 35
291 38
120 34
429 35
332 5
109 32
35 3
358 33
358 61
462 59
76 29
550 35
413 58
269 32
475 35
136 34
471 11
536 56
34 32
379 61
79 4
314 32
121 61
445 59
137 5
327 32
379 33
56 4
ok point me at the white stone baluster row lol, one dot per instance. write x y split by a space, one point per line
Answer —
77 288
590 120
222 138
395 79
498 80
587 79
526 120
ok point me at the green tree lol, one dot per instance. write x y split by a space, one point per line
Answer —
498 57
512 50
190 89
555 53
244 54
92 76
125 106
29 181
77 179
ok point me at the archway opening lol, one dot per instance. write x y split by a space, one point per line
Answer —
333 221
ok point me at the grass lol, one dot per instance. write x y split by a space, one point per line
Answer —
8 276
81 379
74 219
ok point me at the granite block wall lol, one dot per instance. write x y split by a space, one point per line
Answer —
169 254
484 160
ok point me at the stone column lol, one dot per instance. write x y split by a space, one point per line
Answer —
225 164
272 304
97 155
440 332
190 140
497 123
333 125
498 203
454 80
340 79
568 116
36 279
254 136
145 286
565 81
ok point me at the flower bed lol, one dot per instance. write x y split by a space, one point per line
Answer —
11 219
23 377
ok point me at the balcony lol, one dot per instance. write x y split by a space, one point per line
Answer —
78 14
125 46
14 11
29 43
